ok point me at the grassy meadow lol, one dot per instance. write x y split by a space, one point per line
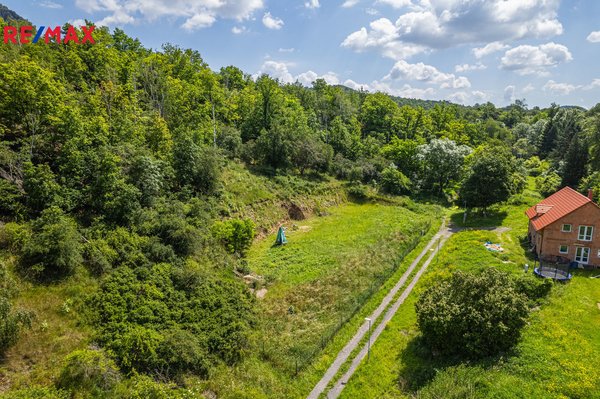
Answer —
557 356
333 271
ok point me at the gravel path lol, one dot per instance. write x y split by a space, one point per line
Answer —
438 240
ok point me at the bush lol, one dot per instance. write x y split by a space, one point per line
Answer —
196 166
89 371
472 315
13 236
230 140
534 288
359 191
37 393
166 320
11 324
11 200
184 353
99 256
53 250
394 182
236 235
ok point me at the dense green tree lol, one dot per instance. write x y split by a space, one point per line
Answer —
442 161
472 315
489 178
54 247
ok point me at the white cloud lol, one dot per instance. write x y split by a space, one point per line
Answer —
354 85
307 78
459 97
238 30
279 70
479 95
468 67
427 74
489 48
436 24
350 3
287 50
77 22
197 13
396 3
272 22
372 11
509 93
50 4
118 18
312 4
382 36
199 21
528 89
594 37
595 83
559 88
528 59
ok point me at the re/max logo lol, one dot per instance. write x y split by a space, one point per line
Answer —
25 32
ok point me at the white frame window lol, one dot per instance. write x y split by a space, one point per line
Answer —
566 247
564 228
582 255
585 233
599 253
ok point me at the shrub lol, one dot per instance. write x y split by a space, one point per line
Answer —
184 352
196 166
359 191
236 235
168 320
54 250
11 199
534 288
13 236
37 393
11 324
230 140
472 315
99 256
88 371
394 182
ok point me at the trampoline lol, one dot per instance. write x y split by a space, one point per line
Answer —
553 273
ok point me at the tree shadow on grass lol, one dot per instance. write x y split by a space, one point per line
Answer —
420 366
492 218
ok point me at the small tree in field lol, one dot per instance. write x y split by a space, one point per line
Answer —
472 315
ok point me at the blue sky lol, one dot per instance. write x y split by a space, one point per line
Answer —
465 51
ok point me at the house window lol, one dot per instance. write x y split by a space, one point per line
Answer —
567 228
564 249
582 255
585 233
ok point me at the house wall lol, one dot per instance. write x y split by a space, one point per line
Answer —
553 237
535 238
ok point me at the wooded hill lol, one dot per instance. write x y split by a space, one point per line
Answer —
117 162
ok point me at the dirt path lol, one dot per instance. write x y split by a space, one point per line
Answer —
436 242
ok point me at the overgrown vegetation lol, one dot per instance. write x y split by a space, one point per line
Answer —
129 206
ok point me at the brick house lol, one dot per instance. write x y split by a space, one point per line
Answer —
566 225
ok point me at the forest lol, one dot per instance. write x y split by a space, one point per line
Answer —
114 165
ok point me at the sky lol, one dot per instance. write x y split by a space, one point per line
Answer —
464 51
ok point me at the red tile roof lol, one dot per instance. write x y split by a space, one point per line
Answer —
555 207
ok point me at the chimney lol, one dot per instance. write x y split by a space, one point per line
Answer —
591 194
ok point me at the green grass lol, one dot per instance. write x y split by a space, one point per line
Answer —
328 262
557 356
56 330
329 267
